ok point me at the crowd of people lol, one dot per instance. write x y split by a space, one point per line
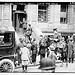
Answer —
56 49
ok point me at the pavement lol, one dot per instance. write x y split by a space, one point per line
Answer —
64 69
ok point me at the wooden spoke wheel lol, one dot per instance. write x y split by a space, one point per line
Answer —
6 65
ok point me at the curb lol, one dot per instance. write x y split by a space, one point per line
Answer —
30 65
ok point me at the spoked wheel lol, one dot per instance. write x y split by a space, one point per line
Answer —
6 65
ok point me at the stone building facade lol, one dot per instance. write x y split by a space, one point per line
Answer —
46 16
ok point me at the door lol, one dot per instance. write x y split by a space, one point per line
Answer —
17 18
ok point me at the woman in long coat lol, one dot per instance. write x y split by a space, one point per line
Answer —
70 50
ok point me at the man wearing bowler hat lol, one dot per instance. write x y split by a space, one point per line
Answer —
47 65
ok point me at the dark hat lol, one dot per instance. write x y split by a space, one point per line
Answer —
29 24
55 29
56 40
47 64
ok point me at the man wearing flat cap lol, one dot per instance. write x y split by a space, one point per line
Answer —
55 33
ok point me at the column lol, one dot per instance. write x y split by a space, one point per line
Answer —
70 16
57 16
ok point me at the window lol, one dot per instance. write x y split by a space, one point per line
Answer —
20 7
63 8
42 13
5 39
63 20
63 16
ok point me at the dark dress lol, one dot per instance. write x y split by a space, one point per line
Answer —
34 51
42 48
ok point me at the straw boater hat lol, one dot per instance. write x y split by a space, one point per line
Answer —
47 64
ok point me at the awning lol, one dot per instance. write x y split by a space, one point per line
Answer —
23 12
66 34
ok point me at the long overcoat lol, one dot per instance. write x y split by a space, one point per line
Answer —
70 50
42 48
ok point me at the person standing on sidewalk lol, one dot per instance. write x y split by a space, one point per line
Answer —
61 45
34 50
24 57
70 50
42 48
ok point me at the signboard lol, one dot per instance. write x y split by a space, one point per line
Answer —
14 7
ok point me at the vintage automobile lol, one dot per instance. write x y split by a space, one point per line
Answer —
7 51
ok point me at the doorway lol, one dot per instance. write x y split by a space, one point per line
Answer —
17 18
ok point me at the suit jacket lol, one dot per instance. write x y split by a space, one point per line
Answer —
34 48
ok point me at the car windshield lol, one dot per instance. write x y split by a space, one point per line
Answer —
5 39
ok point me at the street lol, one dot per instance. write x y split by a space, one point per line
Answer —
65 69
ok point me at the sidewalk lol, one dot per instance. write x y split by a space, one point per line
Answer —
30 65
66 69
58 61
37 64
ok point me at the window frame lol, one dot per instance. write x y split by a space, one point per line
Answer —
66 10
10 39
64 20
46 13
62 5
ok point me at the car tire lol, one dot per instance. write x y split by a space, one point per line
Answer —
6 65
